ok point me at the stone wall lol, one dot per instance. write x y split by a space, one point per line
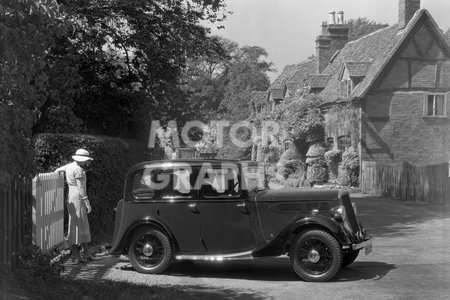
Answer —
394 128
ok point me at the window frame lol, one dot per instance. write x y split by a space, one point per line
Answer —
425 105
158 193
347 87
222 197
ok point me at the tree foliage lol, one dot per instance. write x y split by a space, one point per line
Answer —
125 60
221 85
301 117
27 31
362 26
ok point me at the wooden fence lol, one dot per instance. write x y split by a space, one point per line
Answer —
15 219
406 182
48 210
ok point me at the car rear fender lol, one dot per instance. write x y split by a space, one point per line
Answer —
321 222
120 246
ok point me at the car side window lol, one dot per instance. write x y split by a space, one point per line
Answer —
142 186
175 184
221 183
153 183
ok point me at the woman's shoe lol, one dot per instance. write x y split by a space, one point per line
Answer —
72 261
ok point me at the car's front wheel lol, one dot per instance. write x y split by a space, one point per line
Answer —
150 251
316 255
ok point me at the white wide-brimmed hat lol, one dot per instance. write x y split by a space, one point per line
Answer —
82 155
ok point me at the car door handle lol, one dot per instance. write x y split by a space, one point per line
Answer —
193 207
243 205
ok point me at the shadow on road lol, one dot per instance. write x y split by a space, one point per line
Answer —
269 270
362 270
388 218
95 274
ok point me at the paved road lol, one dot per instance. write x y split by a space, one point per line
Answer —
411 260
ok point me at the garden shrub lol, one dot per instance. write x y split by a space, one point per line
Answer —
333 158
290 154
106 174
35 272
288 164
317 171
350 168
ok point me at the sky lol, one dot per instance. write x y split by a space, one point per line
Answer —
287 29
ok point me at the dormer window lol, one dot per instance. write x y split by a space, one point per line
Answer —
347 87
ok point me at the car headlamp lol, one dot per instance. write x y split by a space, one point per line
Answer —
337 213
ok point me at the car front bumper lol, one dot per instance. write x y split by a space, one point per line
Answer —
366 244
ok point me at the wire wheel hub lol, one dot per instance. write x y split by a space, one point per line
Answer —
147 250
313 256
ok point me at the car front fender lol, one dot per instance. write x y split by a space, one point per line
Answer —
326 223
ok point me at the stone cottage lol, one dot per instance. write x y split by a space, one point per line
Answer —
398 77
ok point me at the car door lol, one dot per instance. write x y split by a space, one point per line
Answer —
225 220
176 208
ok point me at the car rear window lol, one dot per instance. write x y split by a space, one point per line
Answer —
161 183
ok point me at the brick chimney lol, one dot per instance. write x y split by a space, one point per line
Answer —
406 10
333 38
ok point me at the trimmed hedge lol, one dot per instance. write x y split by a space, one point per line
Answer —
350 168
106 174
289 162
333 158
317 171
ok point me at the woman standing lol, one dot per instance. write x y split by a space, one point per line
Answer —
78 205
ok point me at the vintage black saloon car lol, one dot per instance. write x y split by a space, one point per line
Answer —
222 210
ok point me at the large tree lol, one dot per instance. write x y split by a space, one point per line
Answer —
127 58
27 32
220 86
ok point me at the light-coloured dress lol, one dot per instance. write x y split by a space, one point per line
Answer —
78 231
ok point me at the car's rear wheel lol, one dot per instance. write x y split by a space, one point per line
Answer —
349 258
150 251
315 255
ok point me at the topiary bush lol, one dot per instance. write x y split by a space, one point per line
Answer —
106 174
332 159
317 171
350 168
289 162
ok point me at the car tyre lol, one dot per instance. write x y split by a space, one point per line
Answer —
150 251
349 258
316 255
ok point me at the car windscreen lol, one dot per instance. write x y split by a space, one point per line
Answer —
253 177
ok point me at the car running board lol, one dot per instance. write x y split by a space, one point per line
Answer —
218 257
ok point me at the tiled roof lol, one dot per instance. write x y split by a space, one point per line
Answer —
375 47
378 48
295 74
318 81
357 69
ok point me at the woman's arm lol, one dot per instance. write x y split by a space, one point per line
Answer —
82 191
61 169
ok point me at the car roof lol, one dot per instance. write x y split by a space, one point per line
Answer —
191 162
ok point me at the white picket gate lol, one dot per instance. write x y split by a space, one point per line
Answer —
48 210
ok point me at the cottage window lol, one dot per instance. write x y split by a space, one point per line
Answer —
435 105
330 142
287 145
344 142
346 88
